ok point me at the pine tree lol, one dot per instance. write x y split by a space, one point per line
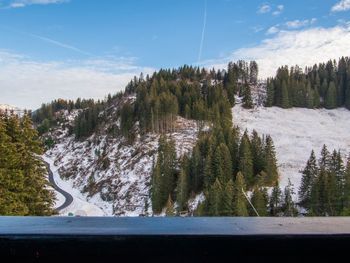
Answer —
275 204
319 195
169 166
233 144
270 94
222 163
240 201
164 174
327 189
230 85
327 194
169 208
40 199
253 72
12 180
331 96
208 173
196 172
347 95
7 149
257 153
324 88
334 197
270 162
337 166
182 190
228 199
317 98
23 184
346 190
12 195
324 196
246 160
217 165
337 178
127 121
215 199
310 97
259 201
308 179
288 207
285 97
247 97
157 200
341 81
324 161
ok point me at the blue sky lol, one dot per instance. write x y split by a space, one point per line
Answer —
88 48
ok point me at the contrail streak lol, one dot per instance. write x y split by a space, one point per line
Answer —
203 31
60 44
49 40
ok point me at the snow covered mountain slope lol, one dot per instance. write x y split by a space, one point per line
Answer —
108 172
4 107
109 176
296 132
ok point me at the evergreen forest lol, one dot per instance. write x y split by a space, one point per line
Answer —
24 188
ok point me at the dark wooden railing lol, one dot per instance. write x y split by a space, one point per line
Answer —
82 239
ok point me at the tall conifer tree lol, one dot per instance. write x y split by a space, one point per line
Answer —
240 202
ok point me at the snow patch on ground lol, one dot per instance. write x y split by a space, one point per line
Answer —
194 202
296 132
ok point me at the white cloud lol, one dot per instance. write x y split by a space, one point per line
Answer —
300 23
17 5
257 29
343 5
24 3
27 83
265 8
295 24
272 30
304 47
279 10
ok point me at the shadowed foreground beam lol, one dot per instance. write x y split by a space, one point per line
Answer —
68 239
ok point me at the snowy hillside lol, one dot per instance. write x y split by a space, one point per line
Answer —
4 107
106 175
296 132
108 172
